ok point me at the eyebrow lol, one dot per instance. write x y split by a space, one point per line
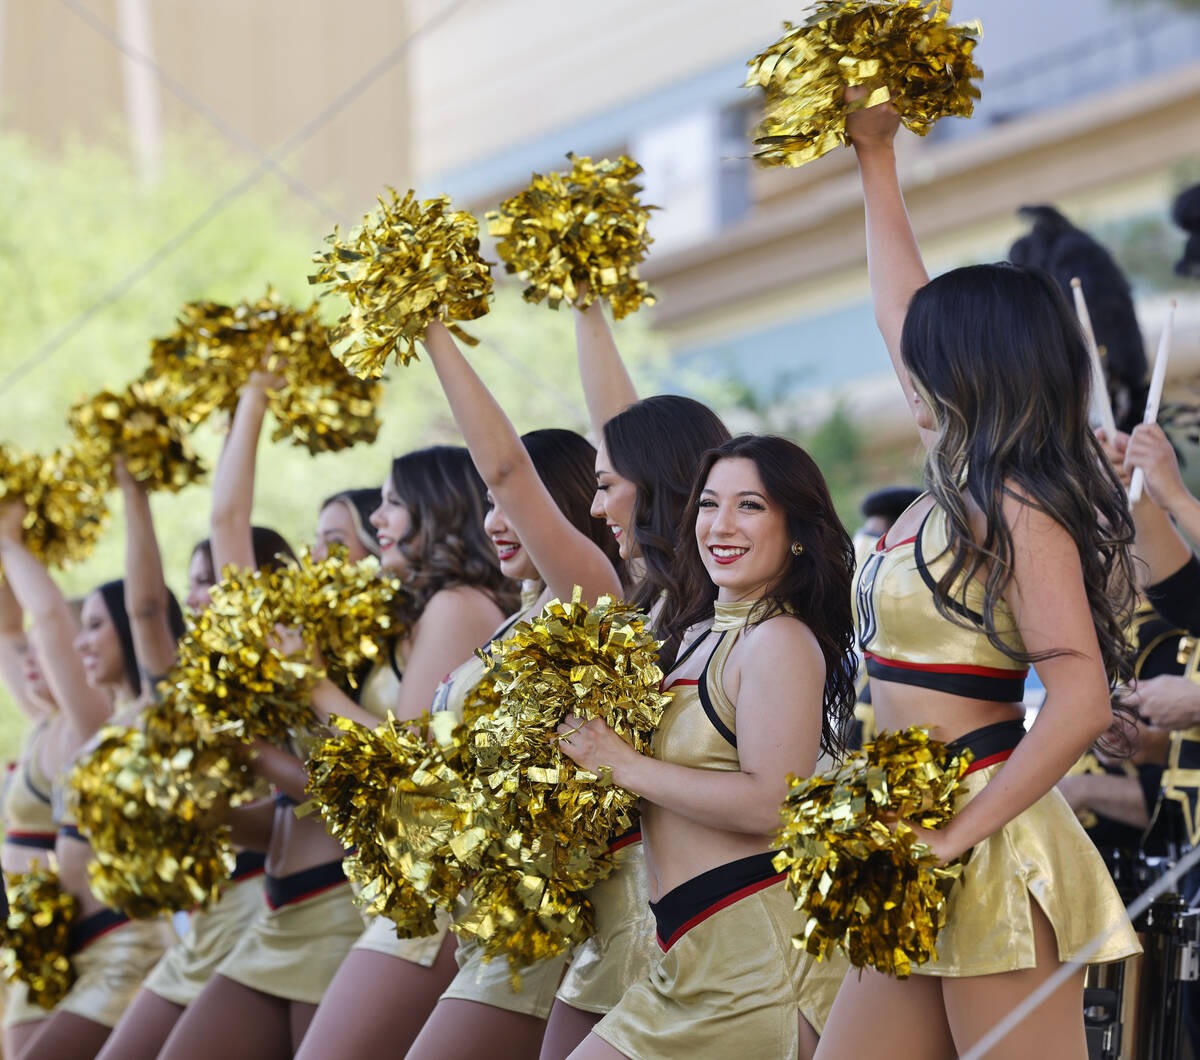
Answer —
742 493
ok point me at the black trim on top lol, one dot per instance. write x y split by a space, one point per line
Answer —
92 927
31 840
286 890
931 582
989 740
71 831
685 656
41 796
248 863
706 701
693 898
969 686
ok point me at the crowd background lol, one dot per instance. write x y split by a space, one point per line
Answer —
153 153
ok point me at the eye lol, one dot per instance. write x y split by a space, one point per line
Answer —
707 502
754 506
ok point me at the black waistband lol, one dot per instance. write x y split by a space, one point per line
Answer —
90 928
685 906
957 683
623 839
990 742
248 863
35 840
286 890
71 831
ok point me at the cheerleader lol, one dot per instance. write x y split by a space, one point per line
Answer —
29 832
177 979
760 661
90 671
1009 559
266 991
361 1011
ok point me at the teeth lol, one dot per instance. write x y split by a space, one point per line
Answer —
725 553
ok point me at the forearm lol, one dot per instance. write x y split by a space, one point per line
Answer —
1157 545
233 483
607 385
250 826
280 768
146 594
1116 797
1185 510
36 592
328 700
730 801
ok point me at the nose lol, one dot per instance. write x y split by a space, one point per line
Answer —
80 642
597 509
320 551
722 521
494 521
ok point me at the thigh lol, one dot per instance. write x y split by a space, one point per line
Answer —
466 1030
566 1028
300 1017
594 1048
807 1038
878 1016
377 1005
143 1029
65 1036
1055 1028
232 1022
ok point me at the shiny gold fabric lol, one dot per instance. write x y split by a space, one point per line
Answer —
381 690
187 966
22 809
294 952
18 1008
1044 855
896 618
730 986
380 937
623 948
110 970
490 982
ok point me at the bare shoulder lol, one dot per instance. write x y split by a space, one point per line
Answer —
458 603
783 641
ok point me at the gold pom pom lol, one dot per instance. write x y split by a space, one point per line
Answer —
37 935
215 348
408 264
904 51
582 232
136 425
554 820
872 890
65 497
146 809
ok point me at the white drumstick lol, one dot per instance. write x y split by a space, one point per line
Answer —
1154 398
1101 406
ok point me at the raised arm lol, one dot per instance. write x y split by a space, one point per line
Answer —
607 386
563 555
233 483
1150 449
53 627
13 644
146 595
893 257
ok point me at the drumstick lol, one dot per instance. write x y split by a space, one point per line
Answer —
1154 398
1101 406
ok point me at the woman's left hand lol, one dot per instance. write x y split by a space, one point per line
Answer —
593 745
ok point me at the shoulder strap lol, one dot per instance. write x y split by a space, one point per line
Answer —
718 723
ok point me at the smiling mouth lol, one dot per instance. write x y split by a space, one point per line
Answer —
384 541
616 530
726 554
505 550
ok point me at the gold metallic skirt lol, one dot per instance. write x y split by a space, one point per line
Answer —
623 949
380 937
212 934
488 982
110 969
18 1008
293 951
1043 854
730 982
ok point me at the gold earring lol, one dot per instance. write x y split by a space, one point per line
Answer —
797 548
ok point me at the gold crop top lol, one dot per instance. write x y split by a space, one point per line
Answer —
699 726
380 691
28 818
904 638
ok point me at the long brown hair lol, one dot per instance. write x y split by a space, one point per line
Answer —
816 586
1000 356
445 545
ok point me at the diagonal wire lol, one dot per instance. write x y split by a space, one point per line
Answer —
1065 971
342 100
180 91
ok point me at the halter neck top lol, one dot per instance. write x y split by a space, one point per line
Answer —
699 726
28 817
906 640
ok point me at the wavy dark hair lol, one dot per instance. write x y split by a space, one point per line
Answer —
816 586
271 550
360 503
656 444
113 595
1002 364
566 464
445 545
